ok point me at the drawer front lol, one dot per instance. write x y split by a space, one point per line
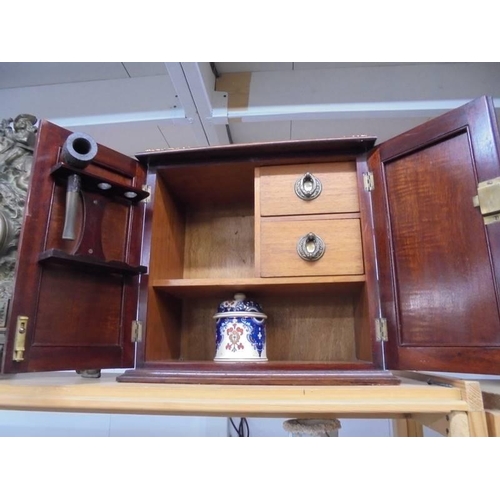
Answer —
339 191
279 256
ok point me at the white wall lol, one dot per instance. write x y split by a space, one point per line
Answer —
57 424
52 424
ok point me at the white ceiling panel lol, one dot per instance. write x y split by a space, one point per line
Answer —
91 99
259 132
179 135
426 82
336 65
382 128
237 67
136 69
127 138
24 74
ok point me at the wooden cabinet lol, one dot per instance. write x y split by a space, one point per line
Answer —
407 278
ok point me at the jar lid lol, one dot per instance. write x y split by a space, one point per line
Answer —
239 307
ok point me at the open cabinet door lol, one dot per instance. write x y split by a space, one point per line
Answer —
439 263
75 299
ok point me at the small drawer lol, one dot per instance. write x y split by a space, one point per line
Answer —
287 189
279 255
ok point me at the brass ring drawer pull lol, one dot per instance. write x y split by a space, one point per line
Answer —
308 187
311 247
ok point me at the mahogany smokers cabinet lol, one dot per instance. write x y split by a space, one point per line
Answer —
400 264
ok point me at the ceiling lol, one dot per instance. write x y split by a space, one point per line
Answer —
25 74
134 106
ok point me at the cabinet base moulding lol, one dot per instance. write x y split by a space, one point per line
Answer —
257 374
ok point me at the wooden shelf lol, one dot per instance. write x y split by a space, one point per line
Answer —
69 392
206 287
91 182
89 263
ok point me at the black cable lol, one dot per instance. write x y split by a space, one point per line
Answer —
243 429
234 427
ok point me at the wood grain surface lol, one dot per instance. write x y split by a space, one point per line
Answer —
319 327
260 286
219 243
343 254
438 262
76 320
339 189
435 231
69 392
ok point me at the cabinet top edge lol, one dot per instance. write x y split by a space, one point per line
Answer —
345 145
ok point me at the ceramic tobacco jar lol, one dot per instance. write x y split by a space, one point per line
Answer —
240 330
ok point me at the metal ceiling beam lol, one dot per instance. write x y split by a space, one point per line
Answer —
187 97
351 110
398 91
155 117
195 84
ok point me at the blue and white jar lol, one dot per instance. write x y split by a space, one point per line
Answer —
240 331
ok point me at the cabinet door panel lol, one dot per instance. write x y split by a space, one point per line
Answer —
79 316
437 259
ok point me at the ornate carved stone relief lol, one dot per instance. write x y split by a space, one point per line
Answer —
17 140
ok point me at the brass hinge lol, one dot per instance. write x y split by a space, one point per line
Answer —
147 188
136 331
20 338
368 181
488 200
381 330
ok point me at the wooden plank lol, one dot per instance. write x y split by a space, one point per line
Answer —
459 424
276 373
406 427
261 286
362 326
237 85
400 427
316 327
493 422
244 157
471 394
69 392
163 323
438 423
167 235
471 389
477 424
368 306
257 222
219 243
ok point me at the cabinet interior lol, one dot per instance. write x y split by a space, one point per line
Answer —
203 251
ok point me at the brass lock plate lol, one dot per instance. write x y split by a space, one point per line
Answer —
20 338
488 200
